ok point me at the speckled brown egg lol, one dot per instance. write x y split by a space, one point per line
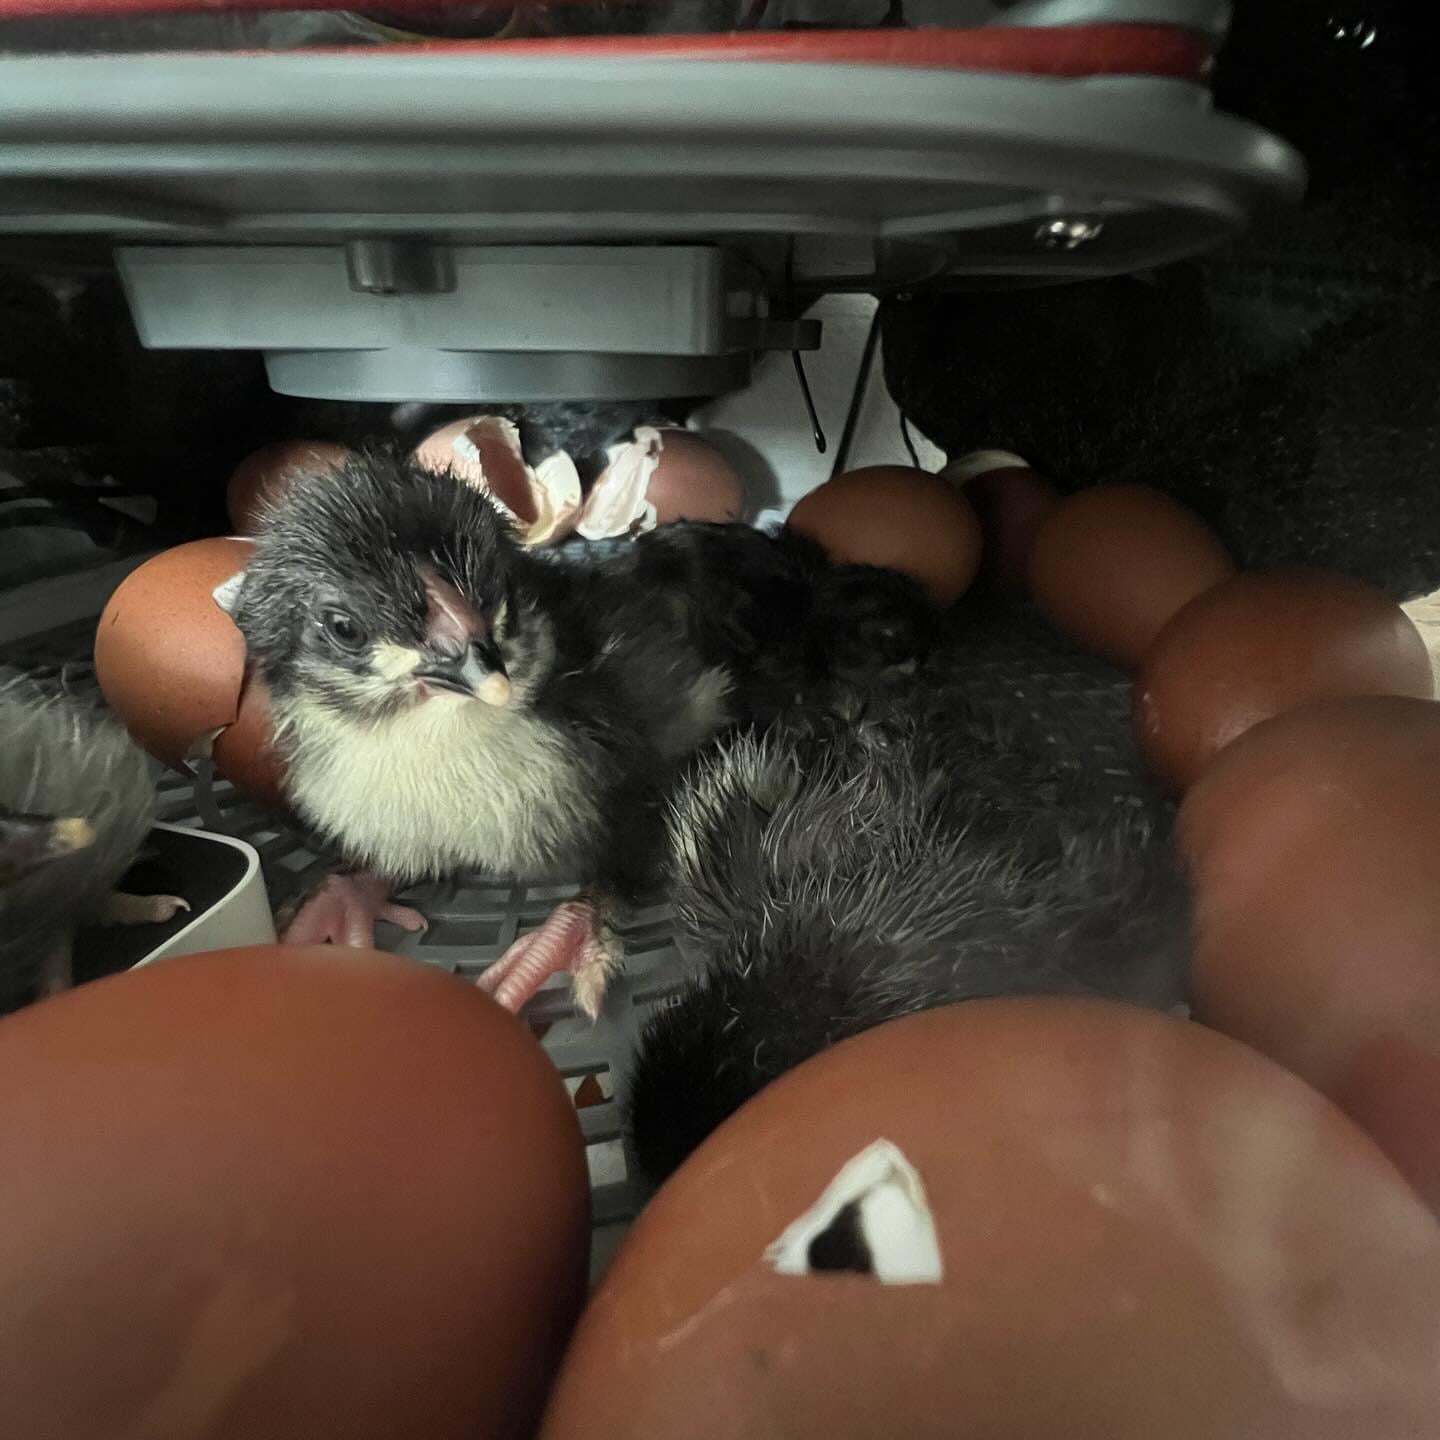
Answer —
1024 1218
284 1193
1011 502
1313 843
898 519
260 477
1260 645
170 661
1110 566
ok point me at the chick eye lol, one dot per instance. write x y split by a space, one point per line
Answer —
344 630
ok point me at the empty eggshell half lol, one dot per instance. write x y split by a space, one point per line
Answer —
485 451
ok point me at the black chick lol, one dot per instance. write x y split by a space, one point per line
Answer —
77 800
908 848
446 701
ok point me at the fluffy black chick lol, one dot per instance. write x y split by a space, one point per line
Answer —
446 701
76 801
908 848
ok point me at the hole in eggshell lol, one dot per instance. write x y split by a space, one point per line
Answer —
841 1246
872 1219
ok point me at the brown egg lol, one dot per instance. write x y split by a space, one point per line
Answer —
1313 843
1139 1228
693 481
1011 502
1110 566
283 1193
1260 645
905 520
169 660
485 451
258 478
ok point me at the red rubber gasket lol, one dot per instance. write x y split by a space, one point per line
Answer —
1065 51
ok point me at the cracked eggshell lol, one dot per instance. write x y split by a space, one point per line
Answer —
899 519
258 478
171 664
484 451
1140 1228
658 478
1312 844
223 1210
170 661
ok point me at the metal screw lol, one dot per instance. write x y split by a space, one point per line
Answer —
1067 233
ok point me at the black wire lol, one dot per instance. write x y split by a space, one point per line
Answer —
909 440
816 428
857 398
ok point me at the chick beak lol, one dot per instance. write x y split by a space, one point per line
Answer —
478 674
29 841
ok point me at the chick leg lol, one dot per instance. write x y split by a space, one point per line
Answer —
343 911
573 940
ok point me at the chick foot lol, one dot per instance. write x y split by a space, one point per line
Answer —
123 909
343 911
573 940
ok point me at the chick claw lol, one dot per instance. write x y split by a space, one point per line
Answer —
572 940
343 911
123 909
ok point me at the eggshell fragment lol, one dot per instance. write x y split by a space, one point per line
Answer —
1111 565
898 519
1260 645
283 1193
169 660
485 451
261 476
1011 502
659 477
1312 843
1143 1229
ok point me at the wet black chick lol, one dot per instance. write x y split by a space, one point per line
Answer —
907 847
77 800
446 701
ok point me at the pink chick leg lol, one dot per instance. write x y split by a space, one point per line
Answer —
574 941
343 911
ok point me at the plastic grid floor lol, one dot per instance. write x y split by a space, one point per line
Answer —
472 922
